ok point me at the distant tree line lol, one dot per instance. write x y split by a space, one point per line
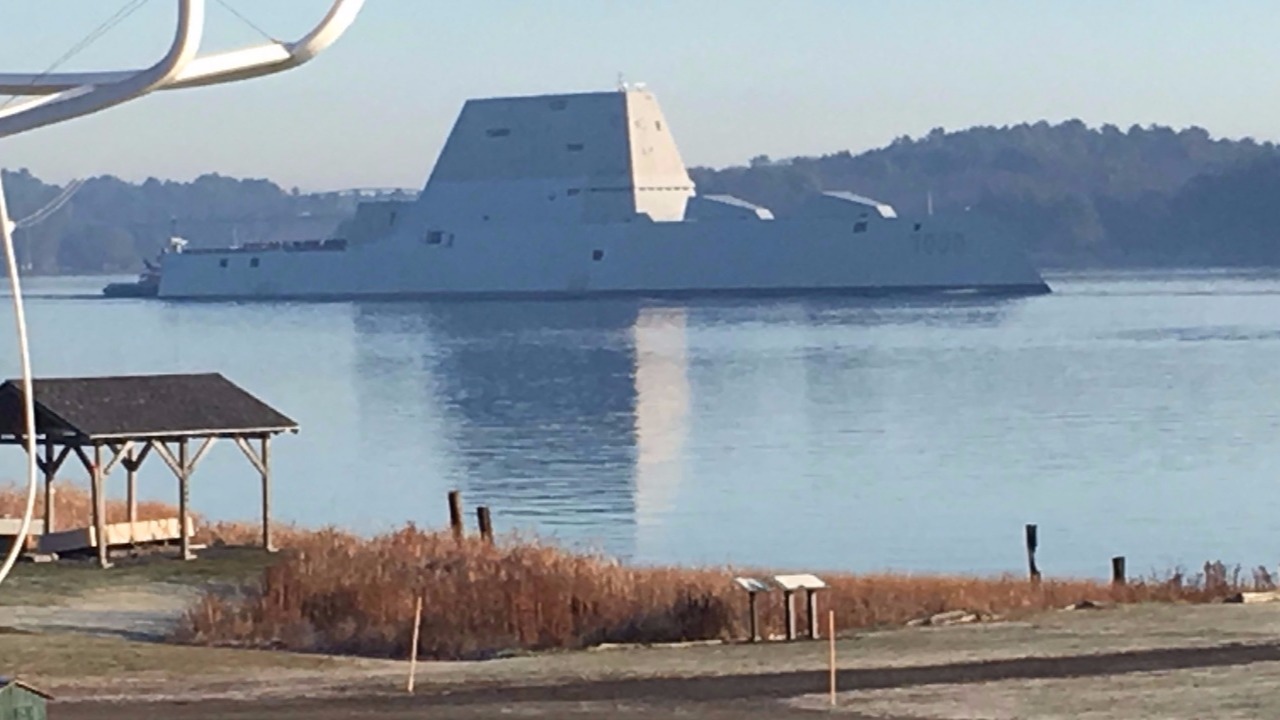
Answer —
1075 195
110 225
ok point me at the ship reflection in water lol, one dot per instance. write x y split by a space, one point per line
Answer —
574 419
532 408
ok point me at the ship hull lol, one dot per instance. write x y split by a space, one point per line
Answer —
674 259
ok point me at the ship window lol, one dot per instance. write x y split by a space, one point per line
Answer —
435 237
559 104
392 220
860 226
498 132
918 226
657 124
572 191
597 255
575 147
253 262
222 262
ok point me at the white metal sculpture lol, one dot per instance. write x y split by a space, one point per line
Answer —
58 97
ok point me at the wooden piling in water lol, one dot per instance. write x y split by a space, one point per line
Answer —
1032 543
455 514
485 522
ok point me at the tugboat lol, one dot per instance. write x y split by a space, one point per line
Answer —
148 282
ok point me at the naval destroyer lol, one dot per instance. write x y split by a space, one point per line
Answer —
586 194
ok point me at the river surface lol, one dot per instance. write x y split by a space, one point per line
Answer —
1132 414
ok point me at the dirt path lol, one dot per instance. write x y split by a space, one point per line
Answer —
725 696
142 612
1058 665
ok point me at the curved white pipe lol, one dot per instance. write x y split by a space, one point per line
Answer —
28 394
74 95
73 103
242 64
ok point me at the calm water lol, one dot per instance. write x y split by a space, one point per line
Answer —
1125 414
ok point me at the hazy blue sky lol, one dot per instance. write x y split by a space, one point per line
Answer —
736 77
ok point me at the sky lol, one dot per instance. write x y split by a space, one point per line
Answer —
736 78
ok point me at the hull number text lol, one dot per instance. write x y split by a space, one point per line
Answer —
939 243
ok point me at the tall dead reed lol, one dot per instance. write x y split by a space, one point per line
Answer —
336 593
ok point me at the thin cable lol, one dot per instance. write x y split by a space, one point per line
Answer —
247 21
53 205
28 394
118 17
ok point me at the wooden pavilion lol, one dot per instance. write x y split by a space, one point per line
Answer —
119 421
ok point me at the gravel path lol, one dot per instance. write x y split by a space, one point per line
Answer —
146 612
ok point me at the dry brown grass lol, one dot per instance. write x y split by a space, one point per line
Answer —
73 508
335 592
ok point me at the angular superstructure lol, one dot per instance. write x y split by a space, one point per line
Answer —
582 194
597 158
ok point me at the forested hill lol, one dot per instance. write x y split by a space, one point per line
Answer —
111 225
1076 195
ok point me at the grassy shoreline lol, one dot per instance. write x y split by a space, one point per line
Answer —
336 593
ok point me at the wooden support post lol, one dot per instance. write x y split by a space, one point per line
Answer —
1032 543
261 461
131 491
831 652
131 458
184 496
811 600
267 543
755 618
99 508
485 522
455 514
789 609
1117 570
50 471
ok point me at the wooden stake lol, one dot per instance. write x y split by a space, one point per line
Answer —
413 649
831 645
